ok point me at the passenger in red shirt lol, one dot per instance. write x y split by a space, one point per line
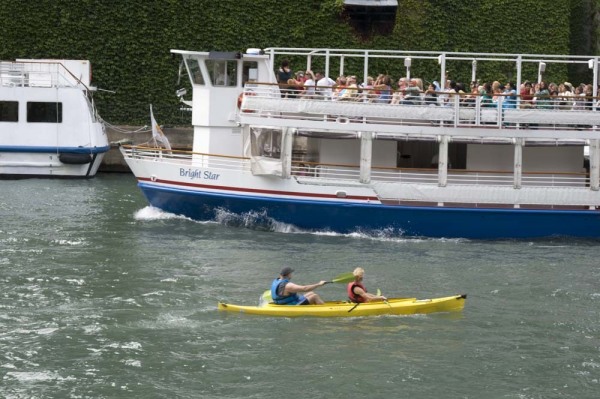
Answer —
526 95
357 292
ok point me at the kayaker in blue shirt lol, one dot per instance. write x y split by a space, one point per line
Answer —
357 292
284 292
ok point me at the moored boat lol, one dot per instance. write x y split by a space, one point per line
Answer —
462 165
49 126
393 306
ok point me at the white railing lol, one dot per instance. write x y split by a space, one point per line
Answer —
187 158
36 74
460 111
349 173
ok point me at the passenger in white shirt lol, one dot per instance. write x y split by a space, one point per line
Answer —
310 85
324 86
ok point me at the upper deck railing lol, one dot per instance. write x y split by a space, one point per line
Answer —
410 60
564 118
37 74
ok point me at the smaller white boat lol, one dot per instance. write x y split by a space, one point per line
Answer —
49 126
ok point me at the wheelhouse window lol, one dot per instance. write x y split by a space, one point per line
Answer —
195 71
9 111
44 112
222 72
249 72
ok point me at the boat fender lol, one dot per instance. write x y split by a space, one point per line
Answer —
70 158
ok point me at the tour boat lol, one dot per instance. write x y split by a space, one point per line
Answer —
393 306
460 166
49 126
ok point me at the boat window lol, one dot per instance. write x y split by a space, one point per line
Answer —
44 112
250 72
222 72
266 143
195 72
9 111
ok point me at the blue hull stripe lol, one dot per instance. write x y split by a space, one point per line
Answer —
70 150
475 223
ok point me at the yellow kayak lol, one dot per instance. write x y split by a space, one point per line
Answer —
393 306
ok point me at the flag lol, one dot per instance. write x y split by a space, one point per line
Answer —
157 133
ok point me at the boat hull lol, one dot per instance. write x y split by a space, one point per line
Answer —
394 306
400 220
50 163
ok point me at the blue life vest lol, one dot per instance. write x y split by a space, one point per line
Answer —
291 299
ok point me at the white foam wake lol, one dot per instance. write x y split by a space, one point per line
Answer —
152 213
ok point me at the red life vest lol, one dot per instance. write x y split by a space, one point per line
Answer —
352 296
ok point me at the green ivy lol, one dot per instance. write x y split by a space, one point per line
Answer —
128 42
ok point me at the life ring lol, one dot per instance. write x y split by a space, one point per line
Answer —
241 98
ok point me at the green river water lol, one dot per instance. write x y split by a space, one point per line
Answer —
102 296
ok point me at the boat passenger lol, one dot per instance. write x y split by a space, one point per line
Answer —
510 96
310 85
284 292
357 292
542 96
350 92
526 95
412 94
431 95
383 86
325 86
284 73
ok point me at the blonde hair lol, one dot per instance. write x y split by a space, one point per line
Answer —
358 272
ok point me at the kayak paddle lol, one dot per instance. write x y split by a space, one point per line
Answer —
342 278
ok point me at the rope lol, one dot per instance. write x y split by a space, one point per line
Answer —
143 129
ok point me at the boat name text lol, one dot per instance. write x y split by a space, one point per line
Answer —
198 174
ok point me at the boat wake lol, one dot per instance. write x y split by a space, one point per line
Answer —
152 213
260 221
255 221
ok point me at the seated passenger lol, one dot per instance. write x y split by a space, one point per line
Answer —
296 85
542 96
310 85
413 94
284 292
486 96
431 95
357 292
325 86
340 87
510 96
526 95
383 87
350 93
366 89
401 92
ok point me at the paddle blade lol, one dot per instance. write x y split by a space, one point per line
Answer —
265 298
343 278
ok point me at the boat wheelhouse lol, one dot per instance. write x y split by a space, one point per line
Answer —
462 166
49 126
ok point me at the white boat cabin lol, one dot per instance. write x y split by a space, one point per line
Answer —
285 130
48 121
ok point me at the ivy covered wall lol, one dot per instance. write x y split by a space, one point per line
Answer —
128 41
